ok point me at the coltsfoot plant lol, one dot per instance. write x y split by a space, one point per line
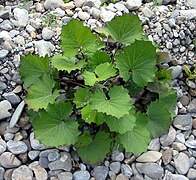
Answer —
106 89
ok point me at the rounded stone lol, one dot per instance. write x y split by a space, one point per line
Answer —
17 147
81 175
183 122
8 160
150 156
22 172
182 163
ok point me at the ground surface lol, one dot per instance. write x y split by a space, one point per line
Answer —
24 29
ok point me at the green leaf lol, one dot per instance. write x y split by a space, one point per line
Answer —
102 72
99 57
66 63
75 37
53 128
32 68
137 62
121 125
92 116
95 150
159 118
81 98
125 29
164 74
41 93
136 140
118 104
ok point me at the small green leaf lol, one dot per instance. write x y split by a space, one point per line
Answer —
125 29
96 150
99 57
121 125
137 62
66 63
102 71
136 140
81 98
118 104
164 74
53 128
92 116
32 68
41 93
159 118
76 37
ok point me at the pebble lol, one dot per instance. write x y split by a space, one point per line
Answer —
65 175
12 98
191 174
117 156
52 156
152 170
178 177
3 86
191 143
167 156
126 170
22 172
79 3
154 145
5 106
9 160
184 100
168 139
21 16
179 146
100 172
83 15
176 71
115 167
189 14
17 147
149 156
47 33
35 144
3 53
52 4
106 16
81 175
3 146
40 173
183 122
133 4
192 106
2 171
182 163
33 154
44 162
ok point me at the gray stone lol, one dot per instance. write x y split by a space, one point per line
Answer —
79 3
182 163
3 146
44 162
83 15
40 173
65 175
115 167
191 174
35 144
17 114
117 156
100 172
4 14
47 33
126 170
178 177
154 145
191 3
8 160
96 13
5 106
133 4
184 100
52 4
12 97
17 147
176 71
179 146
3 53
189 14
191 143
192 106
8 136
44 48
183 122
53 156
149 156
167 156
3 86
152 170
180 138
168 139
81 175
106 16
22 172
21 16
33 154
147 12
2 171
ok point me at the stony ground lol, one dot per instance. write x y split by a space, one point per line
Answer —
34 27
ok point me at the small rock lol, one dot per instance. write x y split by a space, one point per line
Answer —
126 170
20 40
191 143
176 71
8 160
11 97
178 177
147 12
79 3
184 100
117 156
53 156
3 53
149 156
17 147
81 175
181 162
3 146
47 33
2 171
192 106
168 139
100 172
167 156
65 175
17 114
183 122
106 16
35 144
191 174
154 145
69 5
21 15
40 173
3 86
83 15
33 154
96 13
121 177
5 106
179 146
189 14
115 167
191 3
133 4
52 4
152 170
22 172
44 162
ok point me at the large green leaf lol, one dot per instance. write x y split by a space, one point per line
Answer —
75 37
118 104
41 93
33 67
159 118
125 29
92 116
81 98
54 128
136 140
121 125
94 151
66 63
137 62
99 57
102 72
